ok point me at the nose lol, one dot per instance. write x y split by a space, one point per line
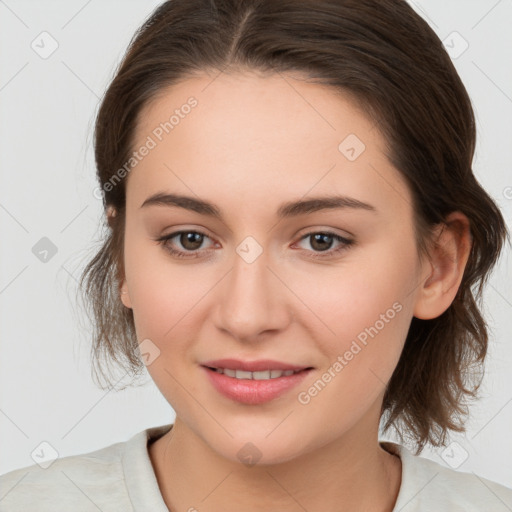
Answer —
252 300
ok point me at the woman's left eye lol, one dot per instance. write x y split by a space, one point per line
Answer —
322 238
191 241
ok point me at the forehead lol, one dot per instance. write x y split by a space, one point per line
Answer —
256 137
250 109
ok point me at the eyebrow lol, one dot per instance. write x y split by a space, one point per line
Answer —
286 210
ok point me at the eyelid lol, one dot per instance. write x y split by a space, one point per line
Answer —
206 254
344 244
303 233
174 231
203 233
315 228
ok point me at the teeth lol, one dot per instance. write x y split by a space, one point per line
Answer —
263 375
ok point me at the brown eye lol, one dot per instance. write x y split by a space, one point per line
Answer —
184 244
191 240
321 241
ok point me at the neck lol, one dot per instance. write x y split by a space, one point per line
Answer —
353 473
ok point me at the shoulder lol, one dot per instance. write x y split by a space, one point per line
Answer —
428 485
79 482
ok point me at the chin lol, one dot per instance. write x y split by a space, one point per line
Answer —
259 450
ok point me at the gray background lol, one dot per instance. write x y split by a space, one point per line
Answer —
47 180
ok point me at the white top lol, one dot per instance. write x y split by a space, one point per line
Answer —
120 477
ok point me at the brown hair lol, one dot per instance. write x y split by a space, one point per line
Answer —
394 67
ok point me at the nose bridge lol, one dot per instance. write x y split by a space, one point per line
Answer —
250 301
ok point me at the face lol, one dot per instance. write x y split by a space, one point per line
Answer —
331 288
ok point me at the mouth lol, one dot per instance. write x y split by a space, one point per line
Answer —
256 375
262 369
254 387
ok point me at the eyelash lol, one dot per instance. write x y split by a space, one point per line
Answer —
346 243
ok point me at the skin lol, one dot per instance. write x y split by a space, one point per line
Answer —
252 143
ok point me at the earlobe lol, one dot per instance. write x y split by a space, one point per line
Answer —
125 295
450 250
111 214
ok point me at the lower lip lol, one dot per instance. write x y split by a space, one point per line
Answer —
254 392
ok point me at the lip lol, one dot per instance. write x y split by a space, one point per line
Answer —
254 392
253 366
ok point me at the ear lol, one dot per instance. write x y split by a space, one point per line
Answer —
111 213
450 250
123 288
125 294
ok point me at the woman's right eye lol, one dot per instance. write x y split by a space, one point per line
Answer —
191 241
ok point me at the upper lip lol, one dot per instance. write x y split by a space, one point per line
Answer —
252 366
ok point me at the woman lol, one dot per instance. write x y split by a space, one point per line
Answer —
296 237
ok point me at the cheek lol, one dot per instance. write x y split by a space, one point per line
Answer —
167 297
365 314
360 288
339 303
163 300
363 306
156 294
